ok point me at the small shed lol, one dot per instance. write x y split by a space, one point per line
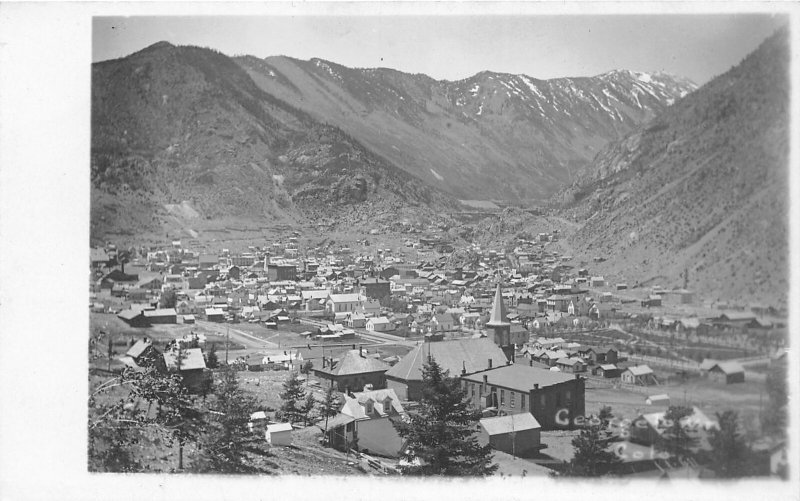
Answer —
279 434
727 372
606 371
662 399
518 434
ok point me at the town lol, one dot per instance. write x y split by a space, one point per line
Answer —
332 342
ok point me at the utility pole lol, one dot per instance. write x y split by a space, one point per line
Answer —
227 339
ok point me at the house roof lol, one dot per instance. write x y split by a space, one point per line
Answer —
355 406
345 298
569 361
472 354
498 317
162 312
354 363
640 370
192 359
608 367
511 423
729 367
379 320
519 377
129 314
278 427
138 348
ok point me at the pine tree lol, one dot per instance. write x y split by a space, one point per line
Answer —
731 456
440 437
591 459
212 362
330 406
293 396
676 440
308 408
224 447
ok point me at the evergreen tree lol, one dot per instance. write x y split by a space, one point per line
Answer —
152 404
212 362
676 440
330 406
293 396
440 437
227 440
591 459
731 456
308 408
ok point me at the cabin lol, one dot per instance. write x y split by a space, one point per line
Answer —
640 375
727 372
515 434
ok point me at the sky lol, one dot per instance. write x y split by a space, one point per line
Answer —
452 47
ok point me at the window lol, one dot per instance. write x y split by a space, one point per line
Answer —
511 400
387 405
502 397
568 397
522 401
472 390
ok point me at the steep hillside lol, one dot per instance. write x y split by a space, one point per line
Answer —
702 188
185 125
491 136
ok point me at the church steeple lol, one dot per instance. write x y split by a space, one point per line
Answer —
498 316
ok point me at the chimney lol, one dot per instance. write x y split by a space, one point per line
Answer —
354 346
485 379
360 351
535 386
463 368
490 363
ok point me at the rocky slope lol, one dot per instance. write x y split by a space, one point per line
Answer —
702 188
491 136
186 127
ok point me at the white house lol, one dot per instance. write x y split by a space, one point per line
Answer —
279 434
342 303
367 417
379 324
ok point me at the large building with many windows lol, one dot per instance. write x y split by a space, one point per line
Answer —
555 399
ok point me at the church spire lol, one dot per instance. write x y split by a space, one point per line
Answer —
498 317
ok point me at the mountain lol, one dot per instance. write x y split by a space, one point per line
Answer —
182 135
702 188
491 136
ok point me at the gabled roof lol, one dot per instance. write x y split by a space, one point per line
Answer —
354 363
355 406
640 370
192 359
511 423
345 298
519 377
729 367
472 354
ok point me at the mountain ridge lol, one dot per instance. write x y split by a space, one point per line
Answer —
503 143
698 195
